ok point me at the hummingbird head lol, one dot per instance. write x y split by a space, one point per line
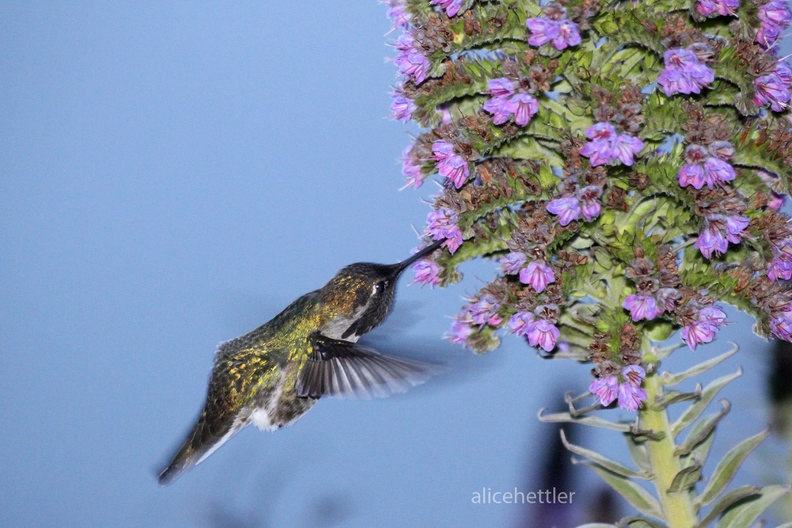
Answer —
363 294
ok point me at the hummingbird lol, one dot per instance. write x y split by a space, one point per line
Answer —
273 375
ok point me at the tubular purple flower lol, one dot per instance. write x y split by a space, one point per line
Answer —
460 331
698 333
442 223
771 89
413 65
784 72
442 150
397 12
500 107
625 147
511 263
630 396
524 107
538 275
519 323
716 170
781 325
605 390
411 170
776 13
633 374
721 7
500 87
735 225
485 311
451 7
692 174
567 209
710 241
683 73
426 272
455 169
568 34
543 30
641 307
402 107
543 334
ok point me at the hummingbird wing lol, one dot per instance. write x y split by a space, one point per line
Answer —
343 369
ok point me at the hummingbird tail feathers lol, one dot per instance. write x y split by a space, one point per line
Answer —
203 440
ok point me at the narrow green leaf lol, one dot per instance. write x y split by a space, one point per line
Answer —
685 479
727 501
603 461
639 453
669 379
727 467
640 522
744 513
700 452
707 395
639 498
673 397
702 430
592 421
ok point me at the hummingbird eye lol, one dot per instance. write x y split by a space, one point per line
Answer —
378 288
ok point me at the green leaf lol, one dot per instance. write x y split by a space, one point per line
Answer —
745 512
728 500
592 421
639 453
673 379
603 461
694 411
728 466
639 498
673 397
640 522
702 430
685 479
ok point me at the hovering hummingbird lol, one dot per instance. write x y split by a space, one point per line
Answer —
274 374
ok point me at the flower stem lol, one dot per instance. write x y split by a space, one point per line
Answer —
677 507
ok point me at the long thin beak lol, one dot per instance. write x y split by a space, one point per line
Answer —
404 264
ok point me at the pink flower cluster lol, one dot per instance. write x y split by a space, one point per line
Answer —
442 224
537 274
506 102
628 390
561 33
412 63
538 332
707 166
606 145
703 330
684 72
450 164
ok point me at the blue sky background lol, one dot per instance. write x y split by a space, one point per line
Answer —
173 174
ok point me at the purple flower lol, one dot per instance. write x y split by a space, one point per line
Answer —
413 65
717 170
442 150
426 272
500 87
500 107
397 12
460 331
719 230
520 322
630 396
402 107
567 209
605 389
485 311
562 33
774 17
451 7
606 145
784 72
703 330
771 89
524 107
455 169
683 73
633 374
441 224
543 334
781 325
779 269
722 7
692 174
511 263
641 307
538 274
